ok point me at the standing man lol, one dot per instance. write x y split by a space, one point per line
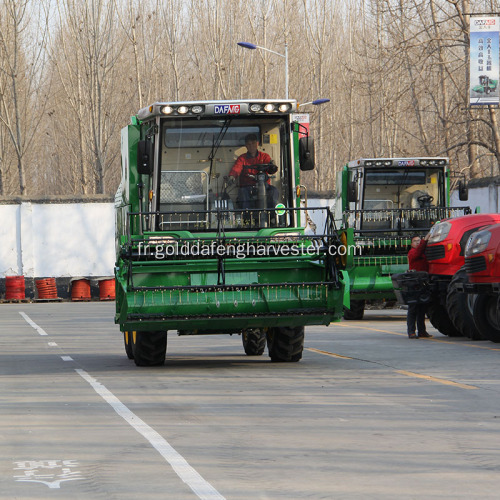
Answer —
417 261
242 169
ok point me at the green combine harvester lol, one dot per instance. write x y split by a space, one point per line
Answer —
486 85
380 203
201 250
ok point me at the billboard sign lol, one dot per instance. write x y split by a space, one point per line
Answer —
484 61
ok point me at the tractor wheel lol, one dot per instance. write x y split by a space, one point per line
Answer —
459 306
356 311
440 320
285 343
149 348
127 340
254 341
486 316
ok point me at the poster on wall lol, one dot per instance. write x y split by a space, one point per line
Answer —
484 61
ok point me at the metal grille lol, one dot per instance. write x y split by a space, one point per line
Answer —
475 264
184 187
435 252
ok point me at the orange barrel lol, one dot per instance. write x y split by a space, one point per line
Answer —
15 288
46 288
80 289
107 289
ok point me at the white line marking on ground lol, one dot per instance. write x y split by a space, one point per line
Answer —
40 330
193 479
66 358
51 344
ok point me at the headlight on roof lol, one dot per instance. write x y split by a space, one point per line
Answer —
255 108
284 108
477 243
269 107
182 110
167 110
197 109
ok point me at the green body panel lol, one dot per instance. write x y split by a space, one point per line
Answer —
370 275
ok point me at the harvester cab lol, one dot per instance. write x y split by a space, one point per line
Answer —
380 204
205 247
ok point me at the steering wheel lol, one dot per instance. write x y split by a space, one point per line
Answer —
425 198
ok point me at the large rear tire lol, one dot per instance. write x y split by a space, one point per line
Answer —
285 344
440 320
357 310
254 341
459 306
149 348
486 316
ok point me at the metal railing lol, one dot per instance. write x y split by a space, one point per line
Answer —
217 245
399 221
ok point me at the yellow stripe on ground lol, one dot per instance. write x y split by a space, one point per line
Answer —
401 372
326 353
435 379
359 325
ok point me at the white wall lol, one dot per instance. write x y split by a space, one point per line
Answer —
484 197
57 239
319 216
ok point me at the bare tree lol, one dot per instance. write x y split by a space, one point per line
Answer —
21 79
86 60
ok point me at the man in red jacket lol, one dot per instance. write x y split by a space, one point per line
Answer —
416 312
242 168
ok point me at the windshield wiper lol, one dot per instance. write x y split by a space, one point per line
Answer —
216 143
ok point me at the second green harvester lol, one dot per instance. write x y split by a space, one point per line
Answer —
380 204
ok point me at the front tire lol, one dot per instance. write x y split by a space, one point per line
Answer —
440 320
486 316
254 341
459 306
357 310
285 344
149 348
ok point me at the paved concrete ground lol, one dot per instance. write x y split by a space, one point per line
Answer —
366 414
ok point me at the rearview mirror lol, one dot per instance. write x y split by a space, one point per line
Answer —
306 153
145 157
463 191
352 192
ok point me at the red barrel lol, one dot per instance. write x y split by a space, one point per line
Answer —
107 289
80 289
15 288
46 288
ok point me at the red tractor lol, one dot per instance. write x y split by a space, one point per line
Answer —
482 263
451 309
